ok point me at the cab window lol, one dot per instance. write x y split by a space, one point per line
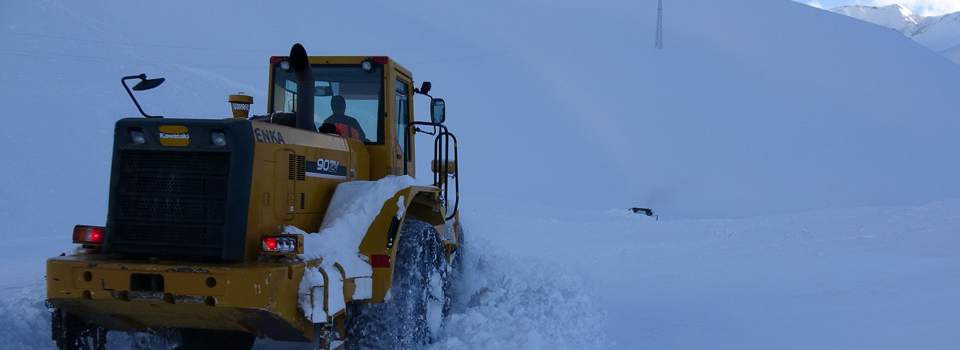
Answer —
355 92
403 116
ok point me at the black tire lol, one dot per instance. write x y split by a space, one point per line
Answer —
207 339
456 270
73 333
151 340
418 298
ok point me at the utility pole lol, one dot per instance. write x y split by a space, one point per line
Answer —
660 25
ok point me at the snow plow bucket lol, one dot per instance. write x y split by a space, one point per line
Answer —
252 297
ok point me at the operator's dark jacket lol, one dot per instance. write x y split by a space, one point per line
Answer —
345 126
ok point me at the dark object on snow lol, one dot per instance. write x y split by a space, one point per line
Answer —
645 211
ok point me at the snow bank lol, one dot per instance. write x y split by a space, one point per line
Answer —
354 207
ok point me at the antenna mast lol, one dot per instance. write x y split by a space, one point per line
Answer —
660 25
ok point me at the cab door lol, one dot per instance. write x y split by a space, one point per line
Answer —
404 113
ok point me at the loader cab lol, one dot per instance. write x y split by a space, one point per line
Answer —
377 94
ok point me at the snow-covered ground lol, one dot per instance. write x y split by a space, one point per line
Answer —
752 134
869 278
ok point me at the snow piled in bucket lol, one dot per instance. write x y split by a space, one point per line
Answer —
502 302
353 208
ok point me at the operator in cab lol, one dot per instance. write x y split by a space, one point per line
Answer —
340 123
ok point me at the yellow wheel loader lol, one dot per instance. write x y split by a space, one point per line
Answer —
304 224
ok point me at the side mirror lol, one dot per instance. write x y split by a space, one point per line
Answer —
437 111
147 84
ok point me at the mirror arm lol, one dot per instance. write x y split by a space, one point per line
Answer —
426 132
417 91
124 82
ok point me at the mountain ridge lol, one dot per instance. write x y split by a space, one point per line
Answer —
938 33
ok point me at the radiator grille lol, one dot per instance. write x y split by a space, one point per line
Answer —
167 209
168 236
301 168
171 203
174 185
293 168
218 162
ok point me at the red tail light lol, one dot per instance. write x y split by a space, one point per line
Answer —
270 244
88 234
380 260
282 244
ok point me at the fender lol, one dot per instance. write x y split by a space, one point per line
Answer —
379 245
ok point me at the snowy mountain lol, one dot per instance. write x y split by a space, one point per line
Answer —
890 16
803 164
939 33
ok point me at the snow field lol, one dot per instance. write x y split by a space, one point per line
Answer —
879 278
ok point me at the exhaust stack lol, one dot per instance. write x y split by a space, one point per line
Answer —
305 87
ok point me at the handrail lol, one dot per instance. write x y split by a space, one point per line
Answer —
441 153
